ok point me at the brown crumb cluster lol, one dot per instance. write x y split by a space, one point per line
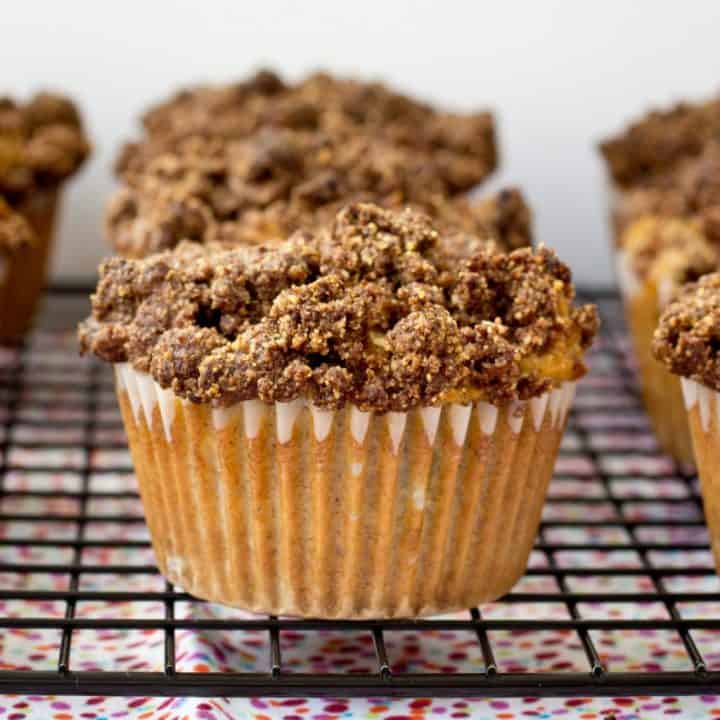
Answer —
691 190
15 231
160 211
379 310
41 143
670 249
462 145
688 337
661 140
252 162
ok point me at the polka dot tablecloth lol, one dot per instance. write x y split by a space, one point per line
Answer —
99 708
47 463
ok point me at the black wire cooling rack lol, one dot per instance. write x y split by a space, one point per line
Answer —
620 597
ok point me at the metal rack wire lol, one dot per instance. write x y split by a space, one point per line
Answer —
622 555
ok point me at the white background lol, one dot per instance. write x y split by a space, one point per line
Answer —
559 75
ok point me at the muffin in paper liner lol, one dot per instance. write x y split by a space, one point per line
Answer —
23 270
289 509
703 411
360 422
643 302
663 201
42 144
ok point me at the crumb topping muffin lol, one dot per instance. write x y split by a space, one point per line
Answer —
250 163
687 340
41 143
661 140
380 310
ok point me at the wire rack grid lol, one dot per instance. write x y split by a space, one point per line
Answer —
620 597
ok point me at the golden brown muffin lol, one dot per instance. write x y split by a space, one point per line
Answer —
657 256
666 223
41 144
376 395
687 343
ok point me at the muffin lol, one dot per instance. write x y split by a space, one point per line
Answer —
687 342
359 422
665 171
252 163
657 256
41 144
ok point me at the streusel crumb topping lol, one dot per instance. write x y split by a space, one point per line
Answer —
252 162
691 190
660 140
159 211
41 143
380 310
668 249
688 337
463 145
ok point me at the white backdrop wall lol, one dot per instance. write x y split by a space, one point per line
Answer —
559 75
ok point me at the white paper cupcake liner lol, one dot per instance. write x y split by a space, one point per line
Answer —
294 510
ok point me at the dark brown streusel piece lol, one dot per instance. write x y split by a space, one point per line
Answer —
379 310
687 339
691 190
41 143
463 144
252 162
260 189
661 140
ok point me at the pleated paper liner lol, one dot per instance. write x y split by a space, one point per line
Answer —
293 510
661 392
703 408
23 273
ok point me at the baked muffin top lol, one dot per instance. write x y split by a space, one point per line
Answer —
661 139
691 189
252 162
670 251
15 231
41 143
687 339
379 310
462 145
158 210
669 225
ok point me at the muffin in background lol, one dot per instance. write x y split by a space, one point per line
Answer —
359 422
657 256
687 342
665 175
253 162
41 144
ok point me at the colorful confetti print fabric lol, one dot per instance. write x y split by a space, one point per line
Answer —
66 477
527 708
